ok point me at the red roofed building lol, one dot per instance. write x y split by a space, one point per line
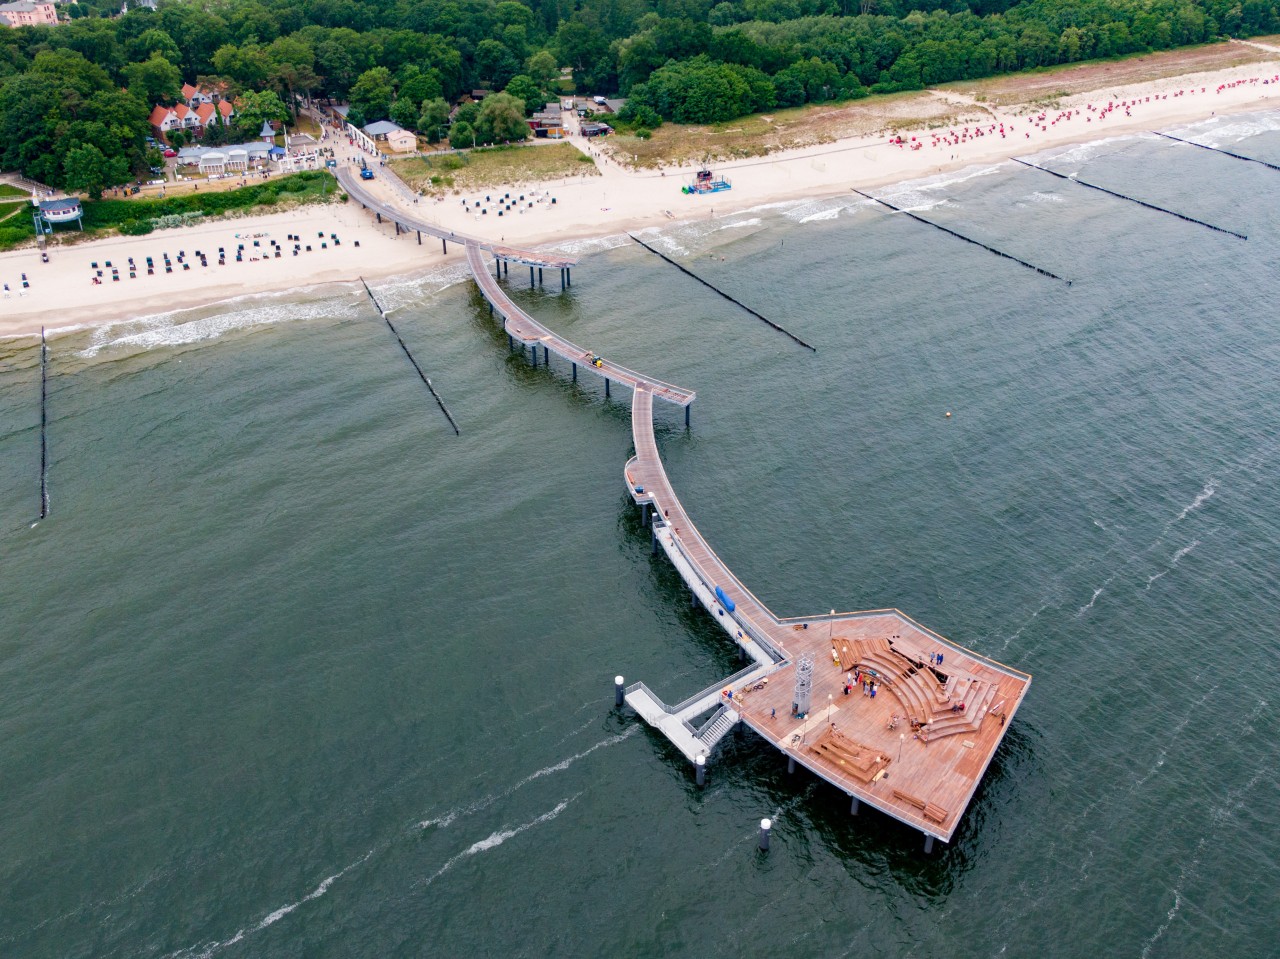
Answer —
183 117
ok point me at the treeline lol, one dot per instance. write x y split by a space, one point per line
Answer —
74 99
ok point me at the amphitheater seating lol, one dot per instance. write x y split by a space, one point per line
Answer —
855 759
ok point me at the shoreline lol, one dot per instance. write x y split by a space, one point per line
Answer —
62 296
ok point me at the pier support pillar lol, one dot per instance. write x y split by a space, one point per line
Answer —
397 222
653 540
618 691
686 416
506 267
928 844
644 514
700 770
533 355
531 276
562 278
606 387
791 766
546 355
568 276
853 805
693 597
539 276
498 268
378 215
511 344
575 372
765 826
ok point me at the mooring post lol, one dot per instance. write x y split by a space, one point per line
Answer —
765 826
700 770
618 691
791 764
928 844
853 805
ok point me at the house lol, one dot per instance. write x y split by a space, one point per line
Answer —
380 129
183 117
230 159
479 95
197 96
402 141
178 117
205 112
548 122
595 129
28 13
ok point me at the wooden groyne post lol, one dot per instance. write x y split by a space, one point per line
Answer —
425 379
1131 199
44 423
961 236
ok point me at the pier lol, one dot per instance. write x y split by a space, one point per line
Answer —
916 750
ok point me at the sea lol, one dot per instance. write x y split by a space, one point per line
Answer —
292 670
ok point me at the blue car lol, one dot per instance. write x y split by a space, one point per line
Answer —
366 174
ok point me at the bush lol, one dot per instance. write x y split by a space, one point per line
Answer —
136 227
12 236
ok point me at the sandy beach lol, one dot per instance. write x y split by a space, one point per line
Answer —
62 292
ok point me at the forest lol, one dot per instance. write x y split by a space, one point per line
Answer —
75 98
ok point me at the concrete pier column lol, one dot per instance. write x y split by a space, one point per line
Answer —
928 844
693 597
511 344
765 826
653 540
531 276
568 277
853 805
618 691
644 514
791 764
686 416
606 387
562 278
700 770
378 215
397 223
533 354
575 372
539 276
546 355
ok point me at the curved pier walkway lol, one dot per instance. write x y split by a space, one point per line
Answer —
914 744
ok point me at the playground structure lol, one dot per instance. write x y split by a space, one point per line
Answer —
706 182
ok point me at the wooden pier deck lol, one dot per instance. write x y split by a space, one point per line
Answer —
523 327
911 751
350 181
916 750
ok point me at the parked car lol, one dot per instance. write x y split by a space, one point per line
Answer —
171 152
366 174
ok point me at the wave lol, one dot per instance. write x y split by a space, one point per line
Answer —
446 819
208 949
1222 132
494 840
1205 494
171 329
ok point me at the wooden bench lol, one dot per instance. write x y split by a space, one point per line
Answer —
910 799
935 812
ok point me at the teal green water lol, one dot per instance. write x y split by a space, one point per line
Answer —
291 670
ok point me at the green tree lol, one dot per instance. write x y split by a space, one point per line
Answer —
501 119
422 85
434 119
461 136
405 113
88 171
494 64
372 94
254 108
152 43
543 69
523 88
154 81
245 65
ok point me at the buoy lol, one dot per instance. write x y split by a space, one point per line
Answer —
948 414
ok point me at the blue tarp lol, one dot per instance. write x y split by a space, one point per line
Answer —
725 601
